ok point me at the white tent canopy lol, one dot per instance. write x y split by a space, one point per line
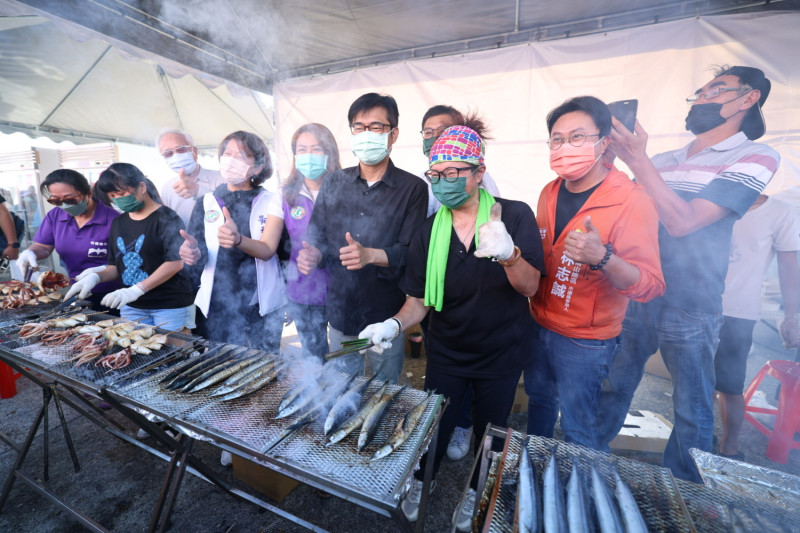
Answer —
73 86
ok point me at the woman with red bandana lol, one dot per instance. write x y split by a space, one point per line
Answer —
473 266
600 237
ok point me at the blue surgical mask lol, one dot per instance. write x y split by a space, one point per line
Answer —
312 166
371 148
184 161
452 195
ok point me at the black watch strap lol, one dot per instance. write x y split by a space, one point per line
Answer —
15 245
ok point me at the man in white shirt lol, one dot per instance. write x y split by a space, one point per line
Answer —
770 228
192 181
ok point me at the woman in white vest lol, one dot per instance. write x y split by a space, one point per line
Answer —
242 293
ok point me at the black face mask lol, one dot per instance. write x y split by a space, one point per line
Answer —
704 117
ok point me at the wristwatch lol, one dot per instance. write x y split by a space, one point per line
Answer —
14 245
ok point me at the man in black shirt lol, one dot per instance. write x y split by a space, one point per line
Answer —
363 221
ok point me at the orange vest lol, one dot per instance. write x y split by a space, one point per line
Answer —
577 302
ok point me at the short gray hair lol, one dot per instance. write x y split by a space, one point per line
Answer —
174 131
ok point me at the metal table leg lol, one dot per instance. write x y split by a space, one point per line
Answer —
23 453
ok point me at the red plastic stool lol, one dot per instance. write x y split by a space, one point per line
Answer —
787 415
8 381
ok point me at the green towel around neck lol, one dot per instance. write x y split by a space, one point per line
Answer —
439 247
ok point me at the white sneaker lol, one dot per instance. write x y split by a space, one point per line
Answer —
226 458
410 505
462 518
459 443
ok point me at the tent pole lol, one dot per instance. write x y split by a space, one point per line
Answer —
75 87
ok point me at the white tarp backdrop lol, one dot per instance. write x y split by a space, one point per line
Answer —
514 88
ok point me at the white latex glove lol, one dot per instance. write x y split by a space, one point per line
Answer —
381 334
92 270
83 286
121 297
493 239
26 260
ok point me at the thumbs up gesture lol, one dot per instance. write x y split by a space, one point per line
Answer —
186 186
308 258
189 252
585 246
493 238
353 256
228 233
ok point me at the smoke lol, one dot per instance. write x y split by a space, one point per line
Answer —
266 36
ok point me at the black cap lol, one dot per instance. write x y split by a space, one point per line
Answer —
753 124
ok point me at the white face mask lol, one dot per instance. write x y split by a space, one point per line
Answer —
233 170
184 161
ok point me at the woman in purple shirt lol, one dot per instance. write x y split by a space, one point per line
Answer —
316 155
78 230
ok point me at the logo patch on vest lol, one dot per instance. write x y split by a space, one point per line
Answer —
298 212
212 215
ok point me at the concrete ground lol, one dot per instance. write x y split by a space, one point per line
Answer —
118 483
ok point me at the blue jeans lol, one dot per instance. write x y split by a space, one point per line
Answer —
578 368
387 364
688 342
169 319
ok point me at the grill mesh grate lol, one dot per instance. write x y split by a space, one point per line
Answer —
250 420
651 486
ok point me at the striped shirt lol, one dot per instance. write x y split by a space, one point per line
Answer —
731 174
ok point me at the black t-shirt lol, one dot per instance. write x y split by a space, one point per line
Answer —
138 247
484 328
567 205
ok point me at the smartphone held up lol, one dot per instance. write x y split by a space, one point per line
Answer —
625 112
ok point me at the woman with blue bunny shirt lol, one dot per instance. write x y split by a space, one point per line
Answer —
143 252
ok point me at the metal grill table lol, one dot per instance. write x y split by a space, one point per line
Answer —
243 426
653 487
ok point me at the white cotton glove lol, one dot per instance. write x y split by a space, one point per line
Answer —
83 286
493 239
92 270
122 297
381 334
26 260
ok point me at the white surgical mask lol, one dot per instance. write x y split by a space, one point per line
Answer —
371 148
233 170
183 161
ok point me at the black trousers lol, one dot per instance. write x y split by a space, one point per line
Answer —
493 399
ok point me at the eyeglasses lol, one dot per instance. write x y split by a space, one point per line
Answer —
374 127
716 91
576 139
427 133
166 154
450 174
66 201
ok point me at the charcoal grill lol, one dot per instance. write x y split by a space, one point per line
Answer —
652 487
243 426
667 504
